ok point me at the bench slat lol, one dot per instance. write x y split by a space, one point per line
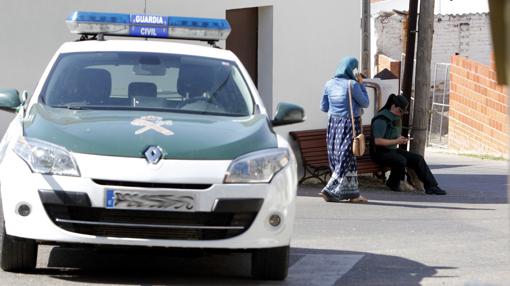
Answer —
313 147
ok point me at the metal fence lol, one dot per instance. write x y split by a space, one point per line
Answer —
438 126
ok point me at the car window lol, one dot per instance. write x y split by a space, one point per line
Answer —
128 80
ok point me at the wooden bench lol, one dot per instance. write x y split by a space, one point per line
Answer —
314 154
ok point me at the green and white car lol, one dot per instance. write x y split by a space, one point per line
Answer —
147 143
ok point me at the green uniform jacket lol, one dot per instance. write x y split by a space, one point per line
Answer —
385 125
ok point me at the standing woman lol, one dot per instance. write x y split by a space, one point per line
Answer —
343 184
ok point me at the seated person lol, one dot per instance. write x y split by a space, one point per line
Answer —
386 135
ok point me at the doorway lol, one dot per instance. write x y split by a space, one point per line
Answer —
251 39
243 39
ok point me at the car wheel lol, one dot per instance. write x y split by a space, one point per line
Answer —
270 263
18 254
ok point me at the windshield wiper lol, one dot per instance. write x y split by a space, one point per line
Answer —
75 107
70 106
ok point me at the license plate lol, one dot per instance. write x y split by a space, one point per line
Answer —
116 199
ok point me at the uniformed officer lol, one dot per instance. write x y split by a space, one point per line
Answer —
386 135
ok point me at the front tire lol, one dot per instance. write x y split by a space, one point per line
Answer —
270 263
18 254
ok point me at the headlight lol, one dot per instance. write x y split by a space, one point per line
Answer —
257 167
46 158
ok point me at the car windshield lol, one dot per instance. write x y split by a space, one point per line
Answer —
150 81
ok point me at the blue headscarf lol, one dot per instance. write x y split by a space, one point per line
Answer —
345 68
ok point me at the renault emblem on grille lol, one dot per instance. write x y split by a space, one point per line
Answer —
153 154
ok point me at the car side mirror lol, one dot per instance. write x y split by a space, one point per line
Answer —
9 99
288 113
23 97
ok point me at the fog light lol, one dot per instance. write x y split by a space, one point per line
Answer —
275 220
23 209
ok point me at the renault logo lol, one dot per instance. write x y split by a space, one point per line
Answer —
153 154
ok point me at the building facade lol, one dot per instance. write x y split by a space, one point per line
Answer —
294 46
467 35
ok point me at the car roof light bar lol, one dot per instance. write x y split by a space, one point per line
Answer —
148 26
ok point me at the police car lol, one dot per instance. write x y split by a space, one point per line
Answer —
147 143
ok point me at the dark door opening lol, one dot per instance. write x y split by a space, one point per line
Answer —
243 39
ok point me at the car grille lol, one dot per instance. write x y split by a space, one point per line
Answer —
230 219
152 185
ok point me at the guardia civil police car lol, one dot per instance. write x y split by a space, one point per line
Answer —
147 143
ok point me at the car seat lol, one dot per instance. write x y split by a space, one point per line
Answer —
140 92
146 89
194 80
93 86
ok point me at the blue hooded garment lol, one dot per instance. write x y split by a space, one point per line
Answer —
345 67
335 100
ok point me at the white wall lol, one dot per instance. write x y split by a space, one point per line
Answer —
308 40
265 57
31 33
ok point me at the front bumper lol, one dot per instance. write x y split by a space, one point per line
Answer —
20 186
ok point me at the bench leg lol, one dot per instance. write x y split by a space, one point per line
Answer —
319 173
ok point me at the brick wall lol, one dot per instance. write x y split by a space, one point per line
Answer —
478 116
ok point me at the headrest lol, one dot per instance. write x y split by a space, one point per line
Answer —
194 79
94 85
147 89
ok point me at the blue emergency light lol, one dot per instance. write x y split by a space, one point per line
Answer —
148 26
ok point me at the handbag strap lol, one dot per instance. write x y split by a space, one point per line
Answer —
352 113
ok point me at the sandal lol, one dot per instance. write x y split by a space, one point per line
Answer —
326 197
359 200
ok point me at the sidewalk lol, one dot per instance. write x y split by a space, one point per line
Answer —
466 179
410 238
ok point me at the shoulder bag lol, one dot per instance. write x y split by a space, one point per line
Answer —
358 142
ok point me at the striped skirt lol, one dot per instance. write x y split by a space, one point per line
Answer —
343 184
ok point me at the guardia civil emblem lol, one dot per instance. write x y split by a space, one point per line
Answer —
154 123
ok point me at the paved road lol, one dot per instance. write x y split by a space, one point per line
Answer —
396 239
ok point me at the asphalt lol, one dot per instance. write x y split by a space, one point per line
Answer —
410 238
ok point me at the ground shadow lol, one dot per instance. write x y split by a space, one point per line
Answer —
375 269
443 166
133 266
461 188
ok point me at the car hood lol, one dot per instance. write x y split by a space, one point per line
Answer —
129 133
